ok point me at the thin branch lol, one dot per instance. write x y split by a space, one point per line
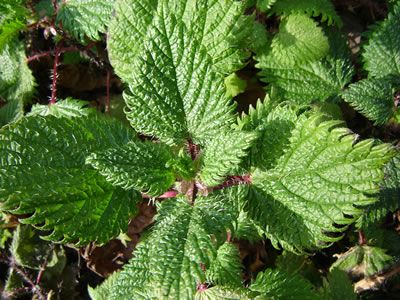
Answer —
233 181
55 5
57 53
361 238
61 51
374 282
43 266
35 288
193 149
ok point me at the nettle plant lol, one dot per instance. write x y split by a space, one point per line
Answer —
287 171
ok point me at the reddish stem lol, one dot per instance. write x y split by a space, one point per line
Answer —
57 53
193 149
228 236
361 238
61 50
234 180
201 287
55 5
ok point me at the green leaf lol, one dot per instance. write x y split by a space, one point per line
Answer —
5 233
223 153
16 80
12 10
373 98
390 186
260 38
30 251
318 80
144 166
223 293
338 286
186 239
275 284
9 31
275 123
382 54
85 18
219 26
246 229
312 8
363 261
373 219
234 85
264 5
43 171
175 94
102 292
298 41
226 269
11 112
13 14
316 184
68 108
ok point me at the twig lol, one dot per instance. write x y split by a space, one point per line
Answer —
35 288
361 238
193 149
43 266
55 5
61 50
373 283
16 292
57 54
233 181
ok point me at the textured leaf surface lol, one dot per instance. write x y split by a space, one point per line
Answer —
30 251
218 25
389 200
382 54
312 8
246 229
223 293
42 167
5 233
319 179
361 261
144 166
175 93
234 85
13 15
274 123
390 187
9 31
11 112
68 108
264 5
338 287
226 269
16 80
102 292
223 153
182 240
298 41
275 284
85 18
373 98
316 80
